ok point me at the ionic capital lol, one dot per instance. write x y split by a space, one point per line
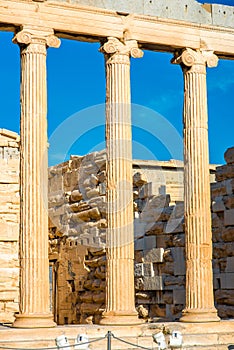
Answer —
196 60
30 35
114 47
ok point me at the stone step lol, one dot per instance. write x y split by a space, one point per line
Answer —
203 336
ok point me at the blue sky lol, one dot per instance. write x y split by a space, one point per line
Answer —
76 96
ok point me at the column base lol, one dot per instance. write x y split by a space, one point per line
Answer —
34 321
199 315
120 319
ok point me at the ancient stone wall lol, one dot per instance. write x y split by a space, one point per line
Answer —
77 231
9 225
160 254
68 274
159 259
78 214
223 236
77 220
77 203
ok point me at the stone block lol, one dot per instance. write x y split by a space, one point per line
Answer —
99 202
224 297
87 215
139 244
148 270
9 171
11 307
10 295
179 240
159 201
56 183
216 221
229 201
229 217
224 172
162 241
94 192
172 282
6 317
144 191
221 250
155 228
222 188
229 155
138 270
153 283
230 264
102 176
164 214
9 260
139 179
9 231
139 228
179 296
178 210
149 242
140 204
167 297
228 234
225 311
154 255
76 196
179 261
174 226
78 207
157 311
102 189
218 205
227 280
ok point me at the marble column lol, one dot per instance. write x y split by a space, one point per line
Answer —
199 276
120 294
34 263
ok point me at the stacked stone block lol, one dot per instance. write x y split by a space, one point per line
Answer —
223 236
77 202
9 225
91 301
159 256
68 274
78 212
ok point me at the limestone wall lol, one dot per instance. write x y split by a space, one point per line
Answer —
77 203
159 253
77 231
223 236
9 225
78 216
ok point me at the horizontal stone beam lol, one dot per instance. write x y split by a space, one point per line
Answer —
92 24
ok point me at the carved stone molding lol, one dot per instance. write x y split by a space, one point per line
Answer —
114 48
30 35
193 60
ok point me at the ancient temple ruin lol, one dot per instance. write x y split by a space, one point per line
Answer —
197 36
78 228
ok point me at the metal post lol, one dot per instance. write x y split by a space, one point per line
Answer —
109 335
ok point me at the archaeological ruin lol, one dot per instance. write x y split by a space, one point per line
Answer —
129 242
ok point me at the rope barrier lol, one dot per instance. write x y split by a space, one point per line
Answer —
56 347
108 335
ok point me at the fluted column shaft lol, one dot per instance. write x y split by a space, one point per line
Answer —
199 276
34 275
120 299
